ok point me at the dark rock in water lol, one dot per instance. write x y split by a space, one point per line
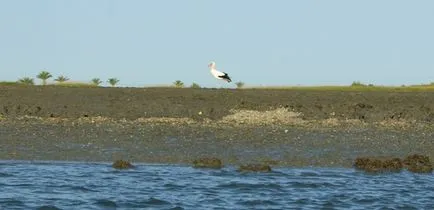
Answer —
418 164
208 163
254 168
122 164
49 207
378 164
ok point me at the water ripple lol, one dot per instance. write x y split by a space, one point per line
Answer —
49 207
5 175
54 185
106 204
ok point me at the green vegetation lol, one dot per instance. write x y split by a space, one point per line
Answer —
113 81
355 86
8 83
195 85
411 88
239 84
358 84
75 84
44 76
26 81
61 79
178 84
96 81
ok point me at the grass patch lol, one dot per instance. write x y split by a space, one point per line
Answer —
411 88
9 83
355 86
74 84
358 84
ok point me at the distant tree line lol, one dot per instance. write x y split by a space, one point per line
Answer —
45 75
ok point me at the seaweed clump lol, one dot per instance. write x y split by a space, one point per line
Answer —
414 163
379 164
254 168
418 164
122 164
212 162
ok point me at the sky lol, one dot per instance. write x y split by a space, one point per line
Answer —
258 42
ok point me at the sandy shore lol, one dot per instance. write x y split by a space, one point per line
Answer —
168 125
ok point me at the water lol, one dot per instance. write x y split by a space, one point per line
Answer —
71 185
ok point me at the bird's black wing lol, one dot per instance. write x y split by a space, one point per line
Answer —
226 77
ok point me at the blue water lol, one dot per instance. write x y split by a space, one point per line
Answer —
71 185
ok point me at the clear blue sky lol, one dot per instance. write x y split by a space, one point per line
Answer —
259 42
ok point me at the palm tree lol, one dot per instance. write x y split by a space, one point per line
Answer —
240 84
195 85
61 79
178 84
44 75
26 81
113 81
96 81
357 84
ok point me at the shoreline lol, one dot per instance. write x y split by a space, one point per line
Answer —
169 125
234 144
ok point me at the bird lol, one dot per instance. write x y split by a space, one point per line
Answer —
218 74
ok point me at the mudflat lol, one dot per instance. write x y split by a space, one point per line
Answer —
176 125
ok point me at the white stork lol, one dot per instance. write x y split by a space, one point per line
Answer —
218 74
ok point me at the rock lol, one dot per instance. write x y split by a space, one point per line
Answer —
208 163
418 164
122 164
378 164
254 168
